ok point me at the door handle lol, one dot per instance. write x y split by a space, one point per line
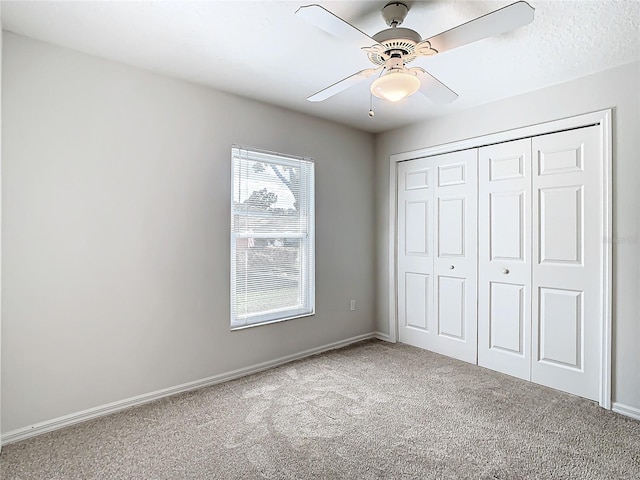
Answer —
451 267
505 271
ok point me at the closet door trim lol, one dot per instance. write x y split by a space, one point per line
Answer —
600 118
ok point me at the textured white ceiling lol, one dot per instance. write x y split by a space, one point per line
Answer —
261 50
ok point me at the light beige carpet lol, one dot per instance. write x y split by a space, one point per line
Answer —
372 410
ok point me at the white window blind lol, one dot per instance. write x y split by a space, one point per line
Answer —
272 237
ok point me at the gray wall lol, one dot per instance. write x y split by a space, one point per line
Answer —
1 39
618 88
115 240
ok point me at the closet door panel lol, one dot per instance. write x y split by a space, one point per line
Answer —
507 317
451 223
415 252
455 255
507 225
560 210
561 322
451 307
504 257
567 313
417 290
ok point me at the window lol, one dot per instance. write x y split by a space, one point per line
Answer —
272 237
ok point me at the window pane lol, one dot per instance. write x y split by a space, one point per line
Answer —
267 186
268 275
272 237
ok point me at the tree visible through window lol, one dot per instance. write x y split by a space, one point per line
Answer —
272 238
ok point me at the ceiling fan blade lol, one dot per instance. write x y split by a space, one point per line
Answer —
342 85
329 22
500 21
433 88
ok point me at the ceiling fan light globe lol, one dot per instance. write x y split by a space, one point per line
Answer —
395 86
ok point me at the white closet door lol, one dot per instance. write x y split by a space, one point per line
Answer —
455 259
568 203
504 258
437 231
415 251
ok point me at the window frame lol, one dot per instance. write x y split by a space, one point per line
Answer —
307 242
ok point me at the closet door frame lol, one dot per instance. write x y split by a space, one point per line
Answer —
600 118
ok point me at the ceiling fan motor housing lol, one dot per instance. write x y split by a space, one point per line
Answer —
396 39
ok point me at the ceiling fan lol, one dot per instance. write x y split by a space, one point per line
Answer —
390 50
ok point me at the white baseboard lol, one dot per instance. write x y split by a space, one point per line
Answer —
91 413
382 336
623 409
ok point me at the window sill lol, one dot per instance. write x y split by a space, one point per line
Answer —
270 322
